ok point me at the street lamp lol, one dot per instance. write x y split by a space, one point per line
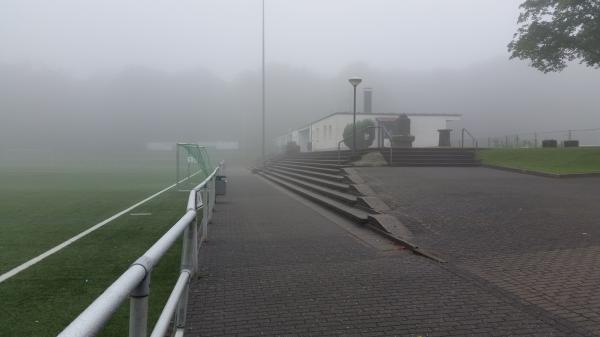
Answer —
355 81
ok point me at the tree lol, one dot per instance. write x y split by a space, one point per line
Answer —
555 32
365 134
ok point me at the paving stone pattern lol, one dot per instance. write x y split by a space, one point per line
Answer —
275 267
532 238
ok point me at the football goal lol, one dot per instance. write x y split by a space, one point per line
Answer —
193 165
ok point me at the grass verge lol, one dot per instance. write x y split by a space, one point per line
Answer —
556 161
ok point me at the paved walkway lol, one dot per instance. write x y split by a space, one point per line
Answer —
536 239
274 266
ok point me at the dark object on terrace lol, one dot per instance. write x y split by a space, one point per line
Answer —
549 143
400 131
571 143
444 137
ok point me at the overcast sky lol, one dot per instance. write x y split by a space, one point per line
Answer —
223 36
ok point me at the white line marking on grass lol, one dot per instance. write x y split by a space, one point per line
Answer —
61 246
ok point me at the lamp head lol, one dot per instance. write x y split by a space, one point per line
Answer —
355 81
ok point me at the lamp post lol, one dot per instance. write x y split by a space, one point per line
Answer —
355 81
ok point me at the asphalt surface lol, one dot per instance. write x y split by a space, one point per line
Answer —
274 266
533 239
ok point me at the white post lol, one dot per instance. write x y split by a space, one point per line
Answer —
138 309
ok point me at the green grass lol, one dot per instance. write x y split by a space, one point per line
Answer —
43 204
557 161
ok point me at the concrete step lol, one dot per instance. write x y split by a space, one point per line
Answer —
323 182
328 156
431 149
448 164
327 176
434 159
309 168
429 155
340 196
312 164
347 211
318 154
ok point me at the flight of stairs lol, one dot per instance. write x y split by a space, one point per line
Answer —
328 179
320 176
432 157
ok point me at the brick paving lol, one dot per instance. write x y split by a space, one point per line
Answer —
275 267
532 238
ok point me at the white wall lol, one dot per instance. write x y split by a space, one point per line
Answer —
335 130
425 129
326 133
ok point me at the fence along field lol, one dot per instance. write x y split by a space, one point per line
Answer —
44 202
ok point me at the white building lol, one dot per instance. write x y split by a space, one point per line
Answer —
327 132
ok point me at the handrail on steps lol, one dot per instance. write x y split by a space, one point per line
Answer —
464 131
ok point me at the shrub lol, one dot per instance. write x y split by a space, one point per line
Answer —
365 134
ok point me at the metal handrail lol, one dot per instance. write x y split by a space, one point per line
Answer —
339 152
381 143
135 281
462 138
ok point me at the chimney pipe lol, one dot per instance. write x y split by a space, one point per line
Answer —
368 100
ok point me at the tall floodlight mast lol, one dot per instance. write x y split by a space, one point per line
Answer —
263 83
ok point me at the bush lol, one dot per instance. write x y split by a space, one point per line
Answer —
365 134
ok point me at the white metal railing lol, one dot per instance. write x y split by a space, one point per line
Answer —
464 131
135 281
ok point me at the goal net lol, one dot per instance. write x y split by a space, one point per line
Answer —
193 165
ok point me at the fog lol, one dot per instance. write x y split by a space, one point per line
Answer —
120 74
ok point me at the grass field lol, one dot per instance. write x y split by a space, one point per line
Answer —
44 203
558 161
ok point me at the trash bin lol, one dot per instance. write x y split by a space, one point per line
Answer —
221 185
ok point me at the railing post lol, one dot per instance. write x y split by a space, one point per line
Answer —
462 138
138 309
211 198
204 195
189 262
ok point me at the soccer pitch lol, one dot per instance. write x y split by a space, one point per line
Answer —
44 203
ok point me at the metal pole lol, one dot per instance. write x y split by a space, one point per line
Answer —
177 167
187 263
204 214
462 138
263 83
138 309
354 124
